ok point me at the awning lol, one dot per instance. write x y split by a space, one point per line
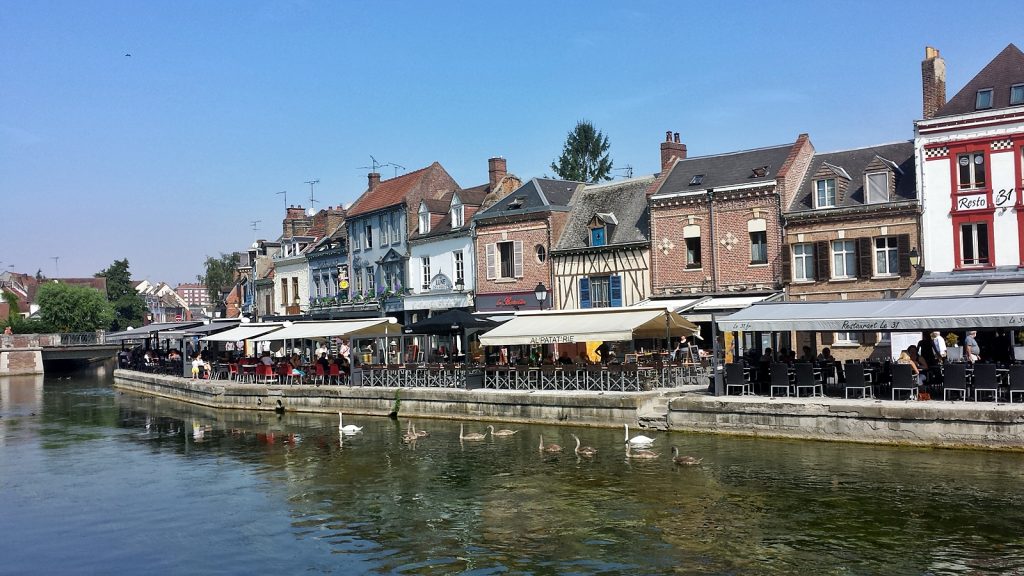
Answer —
970 289
567 326
243 332
879 315
701 312
674 304
202 329
147 331
336 328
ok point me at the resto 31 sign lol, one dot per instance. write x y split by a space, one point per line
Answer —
973 202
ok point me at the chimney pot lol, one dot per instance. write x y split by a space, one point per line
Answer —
671 150
373 180
668 135
676 137
497 168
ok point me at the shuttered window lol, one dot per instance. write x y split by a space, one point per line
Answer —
517 256
584 292
615 291
492 261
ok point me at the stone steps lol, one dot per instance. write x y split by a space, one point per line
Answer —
654 414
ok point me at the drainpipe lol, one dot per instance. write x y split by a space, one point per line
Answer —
547 261
711 235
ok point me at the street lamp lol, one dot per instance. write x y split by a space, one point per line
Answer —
460 284
915 259
541 292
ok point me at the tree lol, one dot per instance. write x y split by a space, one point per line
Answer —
219 276
585 155
73 308
129 307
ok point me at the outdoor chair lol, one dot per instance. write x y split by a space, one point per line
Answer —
807 379
233 372
395 375
1016 380
319 376
985 380
735 379
903 379
334 373
855 380
954 379
615 377
286 373
779 378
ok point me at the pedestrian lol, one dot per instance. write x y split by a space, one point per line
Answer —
939 347
603 351
971 349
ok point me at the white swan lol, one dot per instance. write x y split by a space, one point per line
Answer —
471 435
350 429
585 451
502 432
638 441
640 454
410 435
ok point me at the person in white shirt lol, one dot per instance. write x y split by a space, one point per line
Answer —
939 345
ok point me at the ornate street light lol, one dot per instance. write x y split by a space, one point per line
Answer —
541 292
915 258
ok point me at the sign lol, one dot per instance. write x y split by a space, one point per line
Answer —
557 339
1003 198
973 202
509 301
343 284
440 282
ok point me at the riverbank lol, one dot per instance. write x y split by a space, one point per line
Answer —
983 425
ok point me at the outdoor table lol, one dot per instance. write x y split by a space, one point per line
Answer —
248 372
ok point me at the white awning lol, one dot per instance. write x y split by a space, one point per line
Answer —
879 315
328 329
674 304
243 332
567 326
147 331
969 289
701 312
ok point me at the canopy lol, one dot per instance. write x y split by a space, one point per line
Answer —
202 329
328 329
243 332
567 326
879 315
149 330
449 322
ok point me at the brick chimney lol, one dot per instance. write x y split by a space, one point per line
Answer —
933 82
374 179
671 149
496 169
295 212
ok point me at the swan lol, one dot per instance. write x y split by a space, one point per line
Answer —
471 435
638 441
502 432
420 433
350 429
684 460
410 434
640 454
586 451
550 448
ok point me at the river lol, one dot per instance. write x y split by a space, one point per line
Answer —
96 481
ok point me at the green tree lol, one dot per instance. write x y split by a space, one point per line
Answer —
129 307
219 276
585 155
73 308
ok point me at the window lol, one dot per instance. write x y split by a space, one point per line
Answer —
983 99
396 228
803 262
974 244
599 297
845 338
1016 94
691 234
458 216
295 289
505 260
460 267
759 247
385 230
424 221
697 180
425 265
358 288
597 236
367 235
826 193
876 188
370 283
601 291
887 262
284 291
540 253
972 170
844 259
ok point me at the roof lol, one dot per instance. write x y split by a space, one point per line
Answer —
851 164
474 196
537 195
625 201
430 182
438 205
593 325
1005 70
745 167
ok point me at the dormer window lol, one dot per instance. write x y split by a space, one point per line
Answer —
597 236
516 203
458 216
424 219
825 193
759 172
697 180
876 187
983 99
1016 94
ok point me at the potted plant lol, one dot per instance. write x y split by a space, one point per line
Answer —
954 352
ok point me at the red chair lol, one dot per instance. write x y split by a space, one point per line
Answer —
266 373
334 373
284 370
232 371
320 376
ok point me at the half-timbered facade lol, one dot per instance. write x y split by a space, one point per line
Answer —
602 258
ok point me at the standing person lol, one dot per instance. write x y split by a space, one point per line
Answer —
925 350
971 349
603 351
939 347
344 349
677 354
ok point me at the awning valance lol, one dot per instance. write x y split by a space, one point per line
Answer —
243 332
202 329
147 331
567 326
879 315
336 328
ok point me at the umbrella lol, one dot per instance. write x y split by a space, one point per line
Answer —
443 323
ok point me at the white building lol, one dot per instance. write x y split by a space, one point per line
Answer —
291 276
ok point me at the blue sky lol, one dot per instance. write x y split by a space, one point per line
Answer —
166 156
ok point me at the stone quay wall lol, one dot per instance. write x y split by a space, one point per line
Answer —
23 353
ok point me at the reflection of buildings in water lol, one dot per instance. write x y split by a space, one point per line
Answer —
19 396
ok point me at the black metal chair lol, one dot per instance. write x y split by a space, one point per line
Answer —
903 379
985 380
807 379
735 379
954 379
855 381
1016 380
779 378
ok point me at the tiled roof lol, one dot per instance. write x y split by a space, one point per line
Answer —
745 167
474 196
853 163
1005 70
537 195
403 188
438 205
625 201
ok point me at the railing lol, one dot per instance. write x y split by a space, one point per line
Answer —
79 338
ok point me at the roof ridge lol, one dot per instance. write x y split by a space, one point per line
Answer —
683 160
864 147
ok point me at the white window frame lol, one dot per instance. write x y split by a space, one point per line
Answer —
1019 90
978 239
385 229
891 249
972 165
425 268
367 236
844 259
458 215
845 338
691 233
871 195
803 261
600 291
459 266
822 186
424 221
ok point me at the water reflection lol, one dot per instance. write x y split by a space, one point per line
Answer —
246 491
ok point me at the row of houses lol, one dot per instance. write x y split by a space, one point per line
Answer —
940 213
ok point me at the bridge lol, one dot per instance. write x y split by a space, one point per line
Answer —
27 353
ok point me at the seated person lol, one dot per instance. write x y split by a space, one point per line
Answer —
324 363
906 359
564 358
826 355
266 360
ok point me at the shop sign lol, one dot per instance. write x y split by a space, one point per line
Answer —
975 202
556 339
440 282
509 301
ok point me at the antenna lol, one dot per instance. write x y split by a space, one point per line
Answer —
56 263
374 165
395 166
255 226
285 192
627 169
311 184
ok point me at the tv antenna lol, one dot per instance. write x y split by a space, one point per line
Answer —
56 264
395 166
311 184
285 192
374 165
627 169
255 226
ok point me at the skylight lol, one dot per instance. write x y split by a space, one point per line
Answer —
1016 94
759 172
696 180
984 99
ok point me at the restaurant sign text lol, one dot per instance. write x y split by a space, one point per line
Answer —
556 339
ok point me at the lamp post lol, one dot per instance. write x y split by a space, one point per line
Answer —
915 259
541 292
460 284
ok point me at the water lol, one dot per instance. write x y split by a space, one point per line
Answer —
95 481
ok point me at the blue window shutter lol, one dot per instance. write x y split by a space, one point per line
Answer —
615 290
584 292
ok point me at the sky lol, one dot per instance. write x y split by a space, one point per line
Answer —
160 131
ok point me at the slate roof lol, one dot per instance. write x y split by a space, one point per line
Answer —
438 205
724 170
445 225
394 191
625 199
537 195
853 162
474 196
1005 70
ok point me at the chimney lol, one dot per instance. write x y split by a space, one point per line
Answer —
294 212
496 169
933 82
671 149
374 178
